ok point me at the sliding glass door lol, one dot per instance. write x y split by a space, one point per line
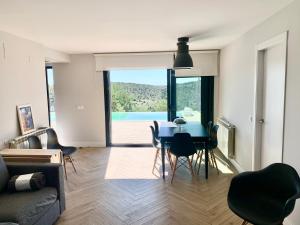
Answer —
137 97
134 98
188 98
191 98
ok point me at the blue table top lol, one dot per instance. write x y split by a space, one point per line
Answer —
195 129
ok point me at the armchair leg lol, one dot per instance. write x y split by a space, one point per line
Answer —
190 165
244 222
198 154
201 154
65 168
174 169
155 159
215 161
211 162
170 158
71 160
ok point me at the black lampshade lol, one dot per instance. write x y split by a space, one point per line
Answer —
183 59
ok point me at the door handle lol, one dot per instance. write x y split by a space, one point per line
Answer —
261 121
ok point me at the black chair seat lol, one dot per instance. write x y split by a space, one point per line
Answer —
199 145
68 150
52 143
259 209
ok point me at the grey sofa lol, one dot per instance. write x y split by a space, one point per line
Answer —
42 207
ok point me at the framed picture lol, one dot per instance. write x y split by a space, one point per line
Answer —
25 118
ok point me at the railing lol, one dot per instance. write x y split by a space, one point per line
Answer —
22 141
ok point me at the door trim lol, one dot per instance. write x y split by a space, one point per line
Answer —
258 91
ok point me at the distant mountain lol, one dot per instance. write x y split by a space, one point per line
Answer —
132 97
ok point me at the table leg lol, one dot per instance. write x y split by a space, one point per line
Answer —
206 163
163 158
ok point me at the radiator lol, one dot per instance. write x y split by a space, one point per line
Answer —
22 141
226 138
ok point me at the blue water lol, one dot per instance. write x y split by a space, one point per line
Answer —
139 116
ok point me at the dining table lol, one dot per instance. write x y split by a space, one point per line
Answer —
197 131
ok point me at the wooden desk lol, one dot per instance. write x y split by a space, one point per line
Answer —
32 155
195 129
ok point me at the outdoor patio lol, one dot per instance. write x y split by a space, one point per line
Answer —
131 132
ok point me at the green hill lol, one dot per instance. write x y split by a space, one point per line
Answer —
132 97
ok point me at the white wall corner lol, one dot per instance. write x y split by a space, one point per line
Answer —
237 165
53 56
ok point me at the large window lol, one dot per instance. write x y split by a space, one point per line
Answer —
51 96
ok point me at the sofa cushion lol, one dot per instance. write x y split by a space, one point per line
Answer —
26 208
26 182
4 176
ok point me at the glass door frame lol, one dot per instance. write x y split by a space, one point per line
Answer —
108 110
207 97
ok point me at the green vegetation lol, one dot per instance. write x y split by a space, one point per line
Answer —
188 95
131 97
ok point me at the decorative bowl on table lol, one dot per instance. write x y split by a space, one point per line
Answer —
179 122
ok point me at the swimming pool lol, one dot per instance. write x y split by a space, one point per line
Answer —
139 116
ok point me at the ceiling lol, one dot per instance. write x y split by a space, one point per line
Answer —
90 26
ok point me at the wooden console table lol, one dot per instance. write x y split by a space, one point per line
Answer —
32 155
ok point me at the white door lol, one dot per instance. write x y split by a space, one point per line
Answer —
273 104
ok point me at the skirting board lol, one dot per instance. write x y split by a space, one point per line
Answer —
237 166
85 144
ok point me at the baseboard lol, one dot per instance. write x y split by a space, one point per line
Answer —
237 166
86 144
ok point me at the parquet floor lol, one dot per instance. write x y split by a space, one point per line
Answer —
115 186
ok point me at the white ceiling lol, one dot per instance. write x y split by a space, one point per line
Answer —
89 26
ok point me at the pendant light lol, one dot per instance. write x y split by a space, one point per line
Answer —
183 59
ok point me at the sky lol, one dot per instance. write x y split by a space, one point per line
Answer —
50 77
146 76
149 76
138 76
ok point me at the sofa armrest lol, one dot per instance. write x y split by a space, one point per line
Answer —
52 171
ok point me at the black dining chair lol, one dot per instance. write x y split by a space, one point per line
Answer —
156 144
53 143
156 129
265 197
182 146
211 145
210 125
34 142
200 146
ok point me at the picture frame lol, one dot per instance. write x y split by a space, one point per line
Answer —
25 118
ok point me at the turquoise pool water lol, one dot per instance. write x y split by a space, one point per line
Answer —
139 116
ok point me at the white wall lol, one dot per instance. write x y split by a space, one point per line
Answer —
22 80
236 97
78 84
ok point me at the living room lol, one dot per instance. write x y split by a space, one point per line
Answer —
84 42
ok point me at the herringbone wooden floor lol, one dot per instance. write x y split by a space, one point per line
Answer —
115 186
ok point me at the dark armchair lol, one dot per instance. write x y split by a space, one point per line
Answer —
265 197
42 207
